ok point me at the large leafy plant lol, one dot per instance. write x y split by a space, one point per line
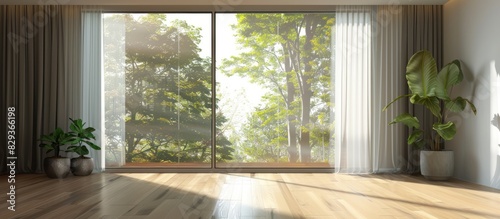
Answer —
432 90
82 137
55 140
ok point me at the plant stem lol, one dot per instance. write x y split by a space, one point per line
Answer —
436 143
56 150
443 118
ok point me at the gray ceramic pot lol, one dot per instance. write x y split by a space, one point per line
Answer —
82 166
437 165
56 167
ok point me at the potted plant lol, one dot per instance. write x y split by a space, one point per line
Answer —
56 166
82 166
432 90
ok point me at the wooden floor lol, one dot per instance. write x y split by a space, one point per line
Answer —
113 195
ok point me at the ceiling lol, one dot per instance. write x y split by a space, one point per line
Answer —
224 2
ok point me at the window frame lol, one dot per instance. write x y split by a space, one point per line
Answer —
214 10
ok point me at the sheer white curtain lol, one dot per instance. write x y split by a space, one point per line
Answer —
92 107
114 85
367 76
388 82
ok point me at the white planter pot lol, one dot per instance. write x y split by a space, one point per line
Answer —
437 165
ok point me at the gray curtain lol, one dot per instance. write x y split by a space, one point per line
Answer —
39 47
422 29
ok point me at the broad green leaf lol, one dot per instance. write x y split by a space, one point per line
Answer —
414 98
90 130
472 107
419 143
75 140
461 76
58 131
449 76
83 151
92 145
76 125
407 119
415 136
459 104
421 74
447 131
456 105
431 103
72 127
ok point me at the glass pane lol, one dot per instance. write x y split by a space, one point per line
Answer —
274 89
157 73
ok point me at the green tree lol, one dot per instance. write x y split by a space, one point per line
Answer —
266 132
168 92
290 55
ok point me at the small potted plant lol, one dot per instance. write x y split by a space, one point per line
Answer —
432 90
56 167
81 166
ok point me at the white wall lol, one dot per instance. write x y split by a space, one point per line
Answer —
472 34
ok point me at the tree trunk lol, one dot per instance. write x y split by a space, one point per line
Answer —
305 146
290 119
130 139
130 149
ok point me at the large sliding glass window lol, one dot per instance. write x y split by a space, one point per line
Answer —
273 90
158 90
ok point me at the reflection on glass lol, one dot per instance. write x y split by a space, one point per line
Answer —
274 89
157 73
